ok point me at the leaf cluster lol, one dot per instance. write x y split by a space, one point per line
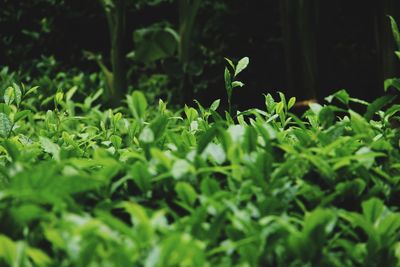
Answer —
143 185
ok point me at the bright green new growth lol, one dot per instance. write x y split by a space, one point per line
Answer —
230 74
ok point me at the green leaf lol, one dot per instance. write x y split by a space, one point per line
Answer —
206 138
116 141
186 193
360 125
315 108
154 43
9 95
191 114
395 31
228 79
5 125
141 176
4 108
179 249
141 220
322 166
214 106
392 110
50 147
137 104
389 228
373 209
230 63
326 116
12 149
237 84
341 95
91 98
291 102
228 118
147 135
357 220
136 211
21 115
8 250
31 90
397 53
325 219
395 82
250 139
283 99
377 105
279 107
161 157
209 187
236 132
70 93
200 107
216 152
38 257
317 225
159 126
242 64
350 188
58 98
359 101
270 103
17 94
180 168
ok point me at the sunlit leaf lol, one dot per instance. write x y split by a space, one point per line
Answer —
5 125
242 64
186 193
137 104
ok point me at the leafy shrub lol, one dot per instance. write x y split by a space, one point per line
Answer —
144 185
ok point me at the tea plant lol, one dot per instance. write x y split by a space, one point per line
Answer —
230 77
144 185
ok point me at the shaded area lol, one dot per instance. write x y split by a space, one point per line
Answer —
299 47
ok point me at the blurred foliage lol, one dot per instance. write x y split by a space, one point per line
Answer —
332 40
47 33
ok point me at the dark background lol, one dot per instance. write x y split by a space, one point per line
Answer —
352 41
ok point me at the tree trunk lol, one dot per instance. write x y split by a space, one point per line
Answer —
188 10
116 24
299 20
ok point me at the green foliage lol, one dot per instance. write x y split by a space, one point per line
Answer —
137 104
396 34
154 43
143 185
394 82
230 74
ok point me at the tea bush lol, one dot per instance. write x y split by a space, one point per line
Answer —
143 185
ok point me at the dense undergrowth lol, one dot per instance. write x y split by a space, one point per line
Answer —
142 185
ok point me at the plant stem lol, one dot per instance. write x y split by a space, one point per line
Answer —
116 16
